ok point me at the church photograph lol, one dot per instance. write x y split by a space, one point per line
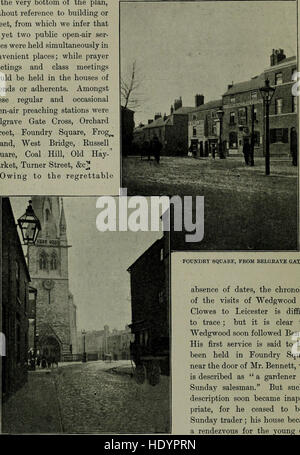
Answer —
86 320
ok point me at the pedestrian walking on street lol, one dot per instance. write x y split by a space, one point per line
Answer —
44 362
145 150
49 362
54 361
246 150
213 151
38 361
293 147
156 147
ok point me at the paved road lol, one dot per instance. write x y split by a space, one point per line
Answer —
88 398
243 209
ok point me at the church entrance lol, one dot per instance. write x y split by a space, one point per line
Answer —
50 347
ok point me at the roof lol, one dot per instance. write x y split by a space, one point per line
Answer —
183 110
252 84
139 128
8 212
147 252
209 105
282 62
158 122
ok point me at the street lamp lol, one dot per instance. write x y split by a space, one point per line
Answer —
220 114
29 225
267 93
84 353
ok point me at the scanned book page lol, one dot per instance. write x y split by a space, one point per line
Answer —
235 343
59 103
108 325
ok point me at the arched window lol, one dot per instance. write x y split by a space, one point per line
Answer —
47 214
53 261
43 261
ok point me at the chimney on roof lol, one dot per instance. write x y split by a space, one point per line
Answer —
165 116
277 56
157 115
150 121
229 86
199 100
171 110
177 104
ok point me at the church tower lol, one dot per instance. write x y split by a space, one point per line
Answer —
48 267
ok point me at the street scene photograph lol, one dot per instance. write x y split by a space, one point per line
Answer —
209 107
86 320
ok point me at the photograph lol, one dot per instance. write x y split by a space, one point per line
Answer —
86 315
209 107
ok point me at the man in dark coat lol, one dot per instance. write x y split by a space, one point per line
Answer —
294 147
156 147
145 150
246 150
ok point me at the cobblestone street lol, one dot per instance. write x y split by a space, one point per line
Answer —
95 397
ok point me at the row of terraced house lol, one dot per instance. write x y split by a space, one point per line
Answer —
195 130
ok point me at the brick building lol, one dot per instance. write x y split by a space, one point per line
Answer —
118 343
203 126
99 343
150 301
139 138
48 266
14 305
283 109
244 110
94 343
171 130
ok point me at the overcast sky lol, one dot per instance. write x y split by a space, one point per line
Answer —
184 48
98 263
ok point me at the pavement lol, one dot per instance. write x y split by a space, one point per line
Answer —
93 397
243 208
34 408
207 172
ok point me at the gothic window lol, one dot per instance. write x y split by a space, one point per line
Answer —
43 262
53 261
47 214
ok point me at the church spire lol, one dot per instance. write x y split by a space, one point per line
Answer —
62 223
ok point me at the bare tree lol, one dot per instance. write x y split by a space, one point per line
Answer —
130 95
